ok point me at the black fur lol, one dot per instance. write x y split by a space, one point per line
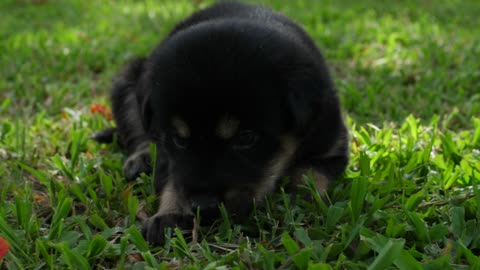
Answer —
251 69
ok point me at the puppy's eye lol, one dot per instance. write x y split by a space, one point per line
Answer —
179 142
244 140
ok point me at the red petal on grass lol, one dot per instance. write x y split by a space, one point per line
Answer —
4 245
39 197
103 110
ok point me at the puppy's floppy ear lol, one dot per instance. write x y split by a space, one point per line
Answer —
300 108
143 96
304 99
310 98
145 109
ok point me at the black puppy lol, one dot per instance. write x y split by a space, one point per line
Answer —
235 98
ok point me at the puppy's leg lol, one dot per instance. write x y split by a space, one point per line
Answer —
126 112
333 163
105 136
320 180
138 161
327 167
174 211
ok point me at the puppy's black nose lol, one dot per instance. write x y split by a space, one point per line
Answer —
208 206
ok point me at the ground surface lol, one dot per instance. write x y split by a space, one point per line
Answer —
408 73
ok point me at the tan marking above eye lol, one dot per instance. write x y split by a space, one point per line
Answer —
182 128
227 127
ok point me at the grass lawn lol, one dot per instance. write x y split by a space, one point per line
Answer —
408 73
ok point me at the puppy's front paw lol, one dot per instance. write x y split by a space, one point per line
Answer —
154 228
137 163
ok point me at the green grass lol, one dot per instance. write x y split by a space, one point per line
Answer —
408 73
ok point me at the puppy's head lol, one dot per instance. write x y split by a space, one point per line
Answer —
228 104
